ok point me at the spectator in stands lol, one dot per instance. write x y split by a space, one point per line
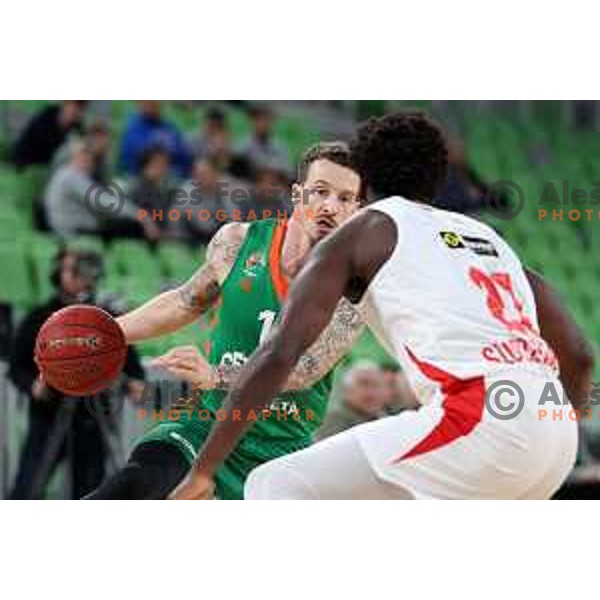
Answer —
398 393
148 129
261 149
270 192
75 203
464 191
203 193
151 190
363 399
98 137
208 192
213 143
46 132
62 427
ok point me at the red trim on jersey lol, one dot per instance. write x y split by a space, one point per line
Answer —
463 406
280 281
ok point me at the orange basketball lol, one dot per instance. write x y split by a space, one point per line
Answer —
80 350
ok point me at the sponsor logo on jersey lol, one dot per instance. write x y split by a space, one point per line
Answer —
452 239
246 284
254 261
479 246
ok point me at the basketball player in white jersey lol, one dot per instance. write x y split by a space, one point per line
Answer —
450 299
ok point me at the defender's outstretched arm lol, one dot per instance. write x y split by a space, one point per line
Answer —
559 329
350 256
336 340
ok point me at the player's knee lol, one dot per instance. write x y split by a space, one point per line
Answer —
276 481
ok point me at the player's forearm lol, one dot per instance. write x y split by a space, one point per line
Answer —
162 315
263 378
310 307
307 372
577 380
334 342
559 329
303 376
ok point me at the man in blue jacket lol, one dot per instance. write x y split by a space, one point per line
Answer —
147 129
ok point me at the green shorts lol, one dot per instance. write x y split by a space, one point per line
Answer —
189 434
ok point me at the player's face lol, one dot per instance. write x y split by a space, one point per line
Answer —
327 198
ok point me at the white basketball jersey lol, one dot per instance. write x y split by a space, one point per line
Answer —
452 299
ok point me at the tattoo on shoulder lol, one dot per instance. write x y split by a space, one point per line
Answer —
201 291
225 244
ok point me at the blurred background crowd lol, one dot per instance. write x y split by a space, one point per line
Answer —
53 153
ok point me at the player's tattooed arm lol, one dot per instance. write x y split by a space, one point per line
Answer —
353 253
204 287
177 308
336 340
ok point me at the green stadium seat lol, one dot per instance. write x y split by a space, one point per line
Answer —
177 261
41 250
134 256
17 288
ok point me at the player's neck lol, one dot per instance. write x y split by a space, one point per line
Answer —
295 249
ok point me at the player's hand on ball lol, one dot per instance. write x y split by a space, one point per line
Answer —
186 362
195 486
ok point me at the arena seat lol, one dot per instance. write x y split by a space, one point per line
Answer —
15 275
177 261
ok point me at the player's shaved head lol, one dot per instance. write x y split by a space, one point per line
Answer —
401 154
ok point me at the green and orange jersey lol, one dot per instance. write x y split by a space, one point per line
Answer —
251 299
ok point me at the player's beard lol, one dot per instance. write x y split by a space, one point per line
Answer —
323 226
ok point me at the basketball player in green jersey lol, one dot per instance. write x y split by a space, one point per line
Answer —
246 274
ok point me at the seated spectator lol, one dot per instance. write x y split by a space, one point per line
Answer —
363 399
75 203
98 137
46 132
150 190
209 190
60 427
147 129
270 192
261 149
399 395
213 143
